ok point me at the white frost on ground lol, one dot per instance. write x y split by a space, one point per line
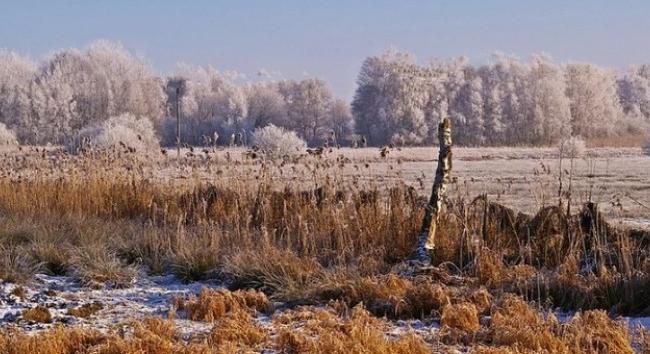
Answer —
149 296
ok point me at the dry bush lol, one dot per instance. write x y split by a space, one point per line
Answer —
53 256
38 314
489 268
388 295
425 299
516 327
211 305
281 274
572 147
643 339
462 316
19 292
153 335
56 341
194 261
358 332
595 332
16 265
95 266
514 323
481 298
85 310
238 330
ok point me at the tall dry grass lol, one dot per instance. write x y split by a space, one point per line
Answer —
105 219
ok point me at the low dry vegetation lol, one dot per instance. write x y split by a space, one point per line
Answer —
321 265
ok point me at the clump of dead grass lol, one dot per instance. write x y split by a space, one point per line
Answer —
514 323
389 295
38 314
96 267
16 265
85 310
595 332
461 316
211 305
238 330
356 332
281 274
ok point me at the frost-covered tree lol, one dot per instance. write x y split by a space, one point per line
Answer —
391 100
592 92
634 96
134 88
212 103
265 105
341 121
73 88
549 115
307 103
469 113
16 77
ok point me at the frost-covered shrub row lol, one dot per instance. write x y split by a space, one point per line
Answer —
397 100
277 142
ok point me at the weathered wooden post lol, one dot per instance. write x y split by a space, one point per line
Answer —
426 240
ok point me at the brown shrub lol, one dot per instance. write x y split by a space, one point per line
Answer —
19 292
425 298
514 323
211 305
462 316
357 333
37 314
85 310
489 268
481 298
238 329
595 332
56 341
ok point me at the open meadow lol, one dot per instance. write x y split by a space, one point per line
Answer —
223 250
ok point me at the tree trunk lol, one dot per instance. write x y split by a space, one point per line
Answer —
426 240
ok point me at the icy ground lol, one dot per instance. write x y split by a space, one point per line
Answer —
148 296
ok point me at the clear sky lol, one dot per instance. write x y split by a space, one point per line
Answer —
330 39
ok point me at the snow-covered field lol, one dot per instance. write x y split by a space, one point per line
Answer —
148 296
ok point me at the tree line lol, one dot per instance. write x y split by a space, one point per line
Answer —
505 102
397 100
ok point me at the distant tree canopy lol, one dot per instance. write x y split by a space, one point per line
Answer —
397 100
501 103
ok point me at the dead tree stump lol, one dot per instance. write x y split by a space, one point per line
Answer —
426 239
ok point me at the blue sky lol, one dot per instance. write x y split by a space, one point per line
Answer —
330 39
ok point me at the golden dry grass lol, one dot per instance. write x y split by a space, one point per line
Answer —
105 219
85 310
37 314
212 305
462 316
